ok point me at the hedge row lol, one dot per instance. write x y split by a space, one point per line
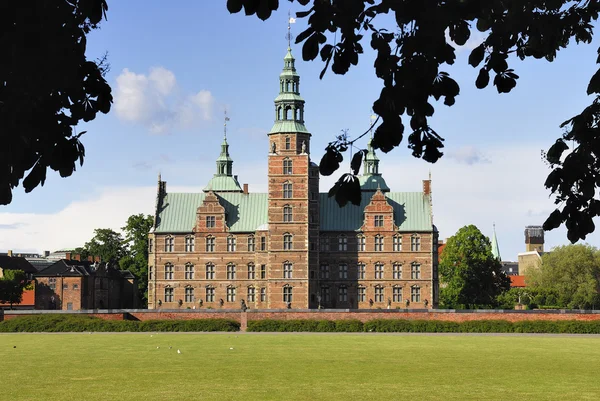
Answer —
427 326
75 323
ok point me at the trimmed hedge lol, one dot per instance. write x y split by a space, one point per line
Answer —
427 326
81 323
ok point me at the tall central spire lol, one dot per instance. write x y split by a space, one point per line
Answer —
289 105
224 180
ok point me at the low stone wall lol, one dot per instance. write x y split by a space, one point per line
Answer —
323 314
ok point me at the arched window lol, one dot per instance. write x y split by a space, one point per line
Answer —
288 113
287 85
210 243
287 242
280 113
287 269
287 213
297 117
287 163
287 190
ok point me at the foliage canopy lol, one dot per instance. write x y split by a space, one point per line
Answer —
410 60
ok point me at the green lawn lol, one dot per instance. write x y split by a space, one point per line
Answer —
297 366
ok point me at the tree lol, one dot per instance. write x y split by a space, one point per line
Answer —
410 56
47 86
107 244
572 273
136 260
469 273
12 285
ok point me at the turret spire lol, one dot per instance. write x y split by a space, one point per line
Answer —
495 248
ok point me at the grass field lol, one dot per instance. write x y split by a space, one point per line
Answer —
297 366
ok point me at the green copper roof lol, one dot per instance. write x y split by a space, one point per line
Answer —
247 212
372 182
286 126
223 183
287 96
244 212
495 247
412 212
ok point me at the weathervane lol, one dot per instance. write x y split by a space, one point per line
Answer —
225 124
289 35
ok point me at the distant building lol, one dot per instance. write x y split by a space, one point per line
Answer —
534 250
74 285
19 263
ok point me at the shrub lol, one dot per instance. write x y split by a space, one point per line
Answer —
349 326
189 325
486 326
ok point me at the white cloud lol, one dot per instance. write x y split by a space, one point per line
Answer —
474 40
467 155
155 101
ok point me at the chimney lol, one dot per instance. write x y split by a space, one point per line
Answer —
77 258
10 253
246 189
68 255
426 187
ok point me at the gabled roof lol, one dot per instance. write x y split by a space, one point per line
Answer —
248 212
76 268
16 263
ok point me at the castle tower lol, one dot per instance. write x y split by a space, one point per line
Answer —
534 239
224 180
292 183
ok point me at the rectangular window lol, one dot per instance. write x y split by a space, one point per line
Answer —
230 272
189 244
324 271
397 243
169 244
362 294
415 244
230 294
379 220
210 221
263 294
415 294
210 244
65 286
361 243
342 243
150 245
397 267
189 271
287 242
287 166
287 190
150 272
415 271
210 271
343 271
397 294
52 283
189 294
263 243
378 294
251 243
287 294
361 271
263 272
343 294
210 294
324 243
231 244
168 294
287 214
288 143
378 271
378 243
169 272
325 294
251 294
287 270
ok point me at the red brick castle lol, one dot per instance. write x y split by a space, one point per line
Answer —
292 247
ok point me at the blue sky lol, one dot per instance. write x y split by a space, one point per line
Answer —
176 66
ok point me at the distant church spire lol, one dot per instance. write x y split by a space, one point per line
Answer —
495 248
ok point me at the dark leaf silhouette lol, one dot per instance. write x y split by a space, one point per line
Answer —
346 189
357 161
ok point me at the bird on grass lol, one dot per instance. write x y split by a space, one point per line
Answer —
179 352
